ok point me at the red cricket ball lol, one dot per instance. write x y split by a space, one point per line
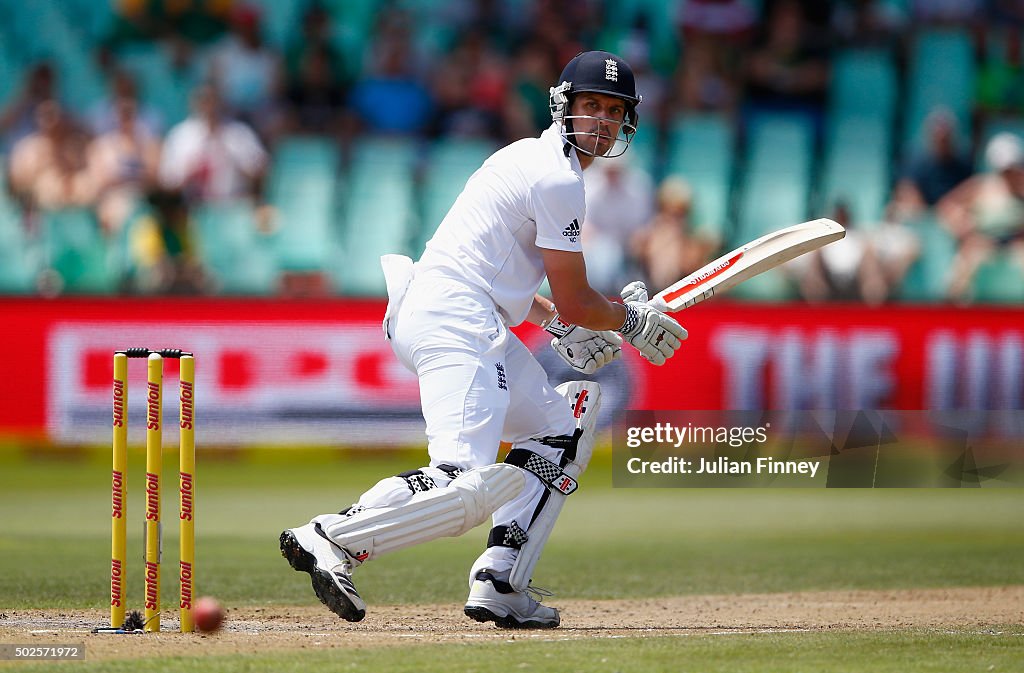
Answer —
208 614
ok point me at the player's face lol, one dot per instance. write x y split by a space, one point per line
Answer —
597 118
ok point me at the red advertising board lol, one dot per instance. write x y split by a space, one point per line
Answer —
320 371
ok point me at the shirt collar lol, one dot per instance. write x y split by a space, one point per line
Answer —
554 137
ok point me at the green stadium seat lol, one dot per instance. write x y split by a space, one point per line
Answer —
383 155
1000 280
775 193
926 279
771 286
780 143
19 261
643 149
160 86
231 250
701 149
451 164
303 191
355 15
22 27
767 203
10 76
75 249
281 20
658 17
92 18
42 31
378 222
379 213
297 153
856 168
776 182
303 238
81 84
941 73
353 22
864 84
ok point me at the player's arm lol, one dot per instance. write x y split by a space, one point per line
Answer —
542 311
582 349
577 302
557 199
654 334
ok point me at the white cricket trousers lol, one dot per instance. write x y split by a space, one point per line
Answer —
479 385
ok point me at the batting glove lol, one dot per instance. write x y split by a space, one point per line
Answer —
651 332
582 349
635 291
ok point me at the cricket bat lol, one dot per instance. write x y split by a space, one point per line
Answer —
747 261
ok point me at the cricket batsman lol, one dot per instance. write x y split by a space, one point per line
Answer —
448 318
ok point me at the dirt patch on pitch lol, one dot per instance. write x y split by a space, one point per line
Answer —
251 630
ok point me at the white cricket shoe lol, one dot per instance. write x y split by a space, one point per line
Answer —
329 566
492 599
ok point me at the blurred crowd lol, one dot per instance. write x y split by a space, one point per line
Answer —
481 69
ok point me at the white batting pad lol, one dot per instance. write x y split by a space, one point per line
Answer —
448 511
585 399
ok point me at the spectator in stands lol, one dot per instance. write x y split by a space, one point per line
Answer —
123 166
316 36
105 116
940 167
1000 83
867 23
532 70
947 12
716 34
248 74
469 91
726 21
18 118
788 70
986 213
391 97
48 167
839 271
1006 14
161 248
210 157
897 247
866 266
564 28
619 201
135 21
315 101
666 247
706 82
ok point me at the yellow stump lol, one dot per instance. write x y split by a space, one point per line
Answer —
154 460
119 492
186 491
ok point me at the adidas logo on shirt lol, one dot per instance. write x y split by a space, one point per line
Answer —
572 232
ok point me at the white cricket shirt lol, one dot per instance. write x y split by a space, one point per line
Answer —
525 197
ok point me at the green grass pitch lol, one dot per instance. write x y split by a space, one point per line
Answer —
610 544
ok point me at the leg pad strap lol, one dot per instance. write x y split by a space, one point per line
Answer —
551 474
507 536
